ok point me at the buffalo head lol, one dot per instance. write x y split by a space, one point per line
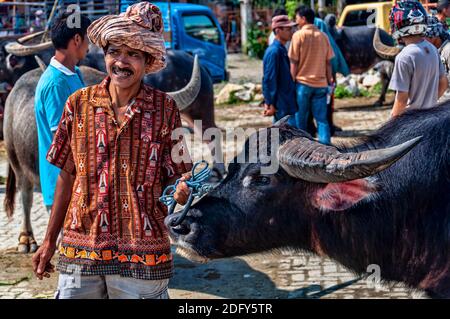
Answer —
250 212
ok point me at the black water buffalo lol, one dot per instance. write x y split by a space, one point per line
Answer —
371 203
356 45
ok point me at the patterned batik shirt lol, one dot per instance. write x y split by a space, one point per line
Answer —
115 223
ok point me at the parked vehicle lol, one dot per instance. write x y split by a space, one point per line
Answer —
372 14
194 29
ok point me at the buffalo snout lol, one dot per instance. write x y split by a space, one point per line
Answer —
176 231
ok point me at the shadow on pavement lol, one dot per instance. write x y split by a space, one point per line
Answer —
235 278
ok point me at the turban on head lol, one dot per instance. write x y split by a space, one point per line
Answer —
436 29
140 28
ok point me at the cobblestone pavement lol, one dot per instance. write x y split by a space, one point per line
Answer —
278 275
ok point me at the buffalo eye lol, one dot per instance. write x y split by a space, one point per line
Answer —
256 180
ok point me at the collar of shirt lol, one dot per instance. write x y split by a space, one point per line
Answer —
59 66
279 44
309 26
143 100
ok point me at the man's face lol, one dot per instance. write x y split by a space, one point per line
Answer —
285 33
436 41
301 21
446 12
80 46
84 47
125 66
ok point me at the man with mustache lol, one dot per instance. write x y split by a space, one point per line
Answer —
114 148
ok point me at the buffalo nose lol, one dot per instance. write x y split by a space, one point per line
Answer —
183 229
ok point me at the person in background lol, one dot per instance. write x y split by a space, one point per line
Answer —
440 38
61 78
310 55
38 23
277 84
443 12
321 13
338 63
419 76
278 12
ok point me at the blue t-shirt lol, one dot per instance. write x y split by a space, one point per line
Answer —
338 63
56 84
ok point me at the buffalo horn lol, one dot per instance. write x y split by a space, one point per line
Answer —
383 50
314 162
41 63
188 94
29 37
18 49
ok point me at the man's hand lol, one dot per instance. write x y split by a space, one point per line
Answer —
63 192
182 191
269 110
42 266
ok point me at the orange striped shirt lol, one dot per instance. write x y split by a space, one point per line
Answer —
311 50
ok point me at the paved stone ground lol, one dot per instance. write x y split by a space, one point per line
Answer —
278 275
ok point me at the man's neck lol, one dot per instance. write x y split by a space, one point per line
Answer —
121 97
413 39
283 42
66 59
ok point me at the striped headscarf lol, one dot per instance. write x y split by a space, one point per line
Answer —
140 28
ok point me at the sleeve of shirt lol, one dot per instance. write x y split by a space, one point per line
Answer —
401 77
269 84
294 49
60 151
175 155
55 99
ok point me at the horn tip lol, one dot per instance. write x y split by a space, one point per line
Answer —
283 121
413 142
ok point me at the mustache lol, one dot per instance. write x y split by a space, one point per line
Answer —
117 68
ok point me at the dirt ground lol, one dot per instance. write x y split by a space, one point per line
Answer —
269 275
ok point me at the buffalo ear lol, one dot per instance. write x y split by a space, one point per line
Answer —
342 196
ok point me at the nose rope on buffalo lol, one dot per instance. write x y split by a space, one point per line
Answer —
197 186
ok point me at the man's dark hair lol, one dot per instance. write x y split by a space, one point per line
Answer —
279 12
62 32
307 13
442 4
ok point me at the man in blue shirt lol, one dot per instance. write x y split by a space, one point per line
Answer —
61 78
277 84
